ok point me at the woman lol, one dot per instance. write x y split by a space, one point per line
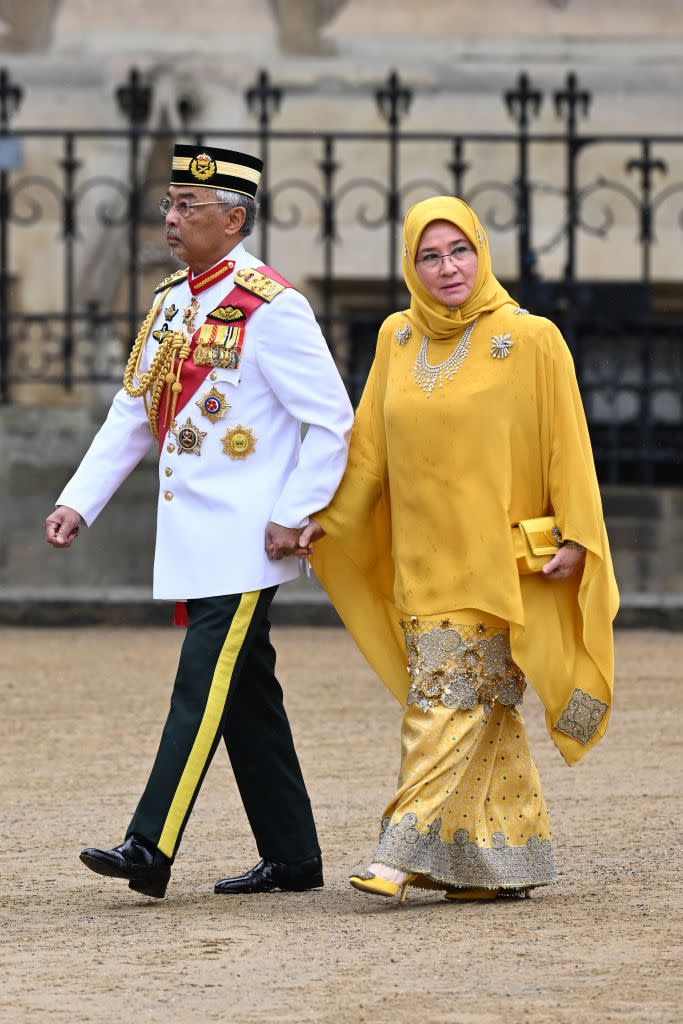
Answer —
470 422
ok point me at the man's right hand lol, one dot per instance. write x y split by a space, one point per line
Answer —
62 527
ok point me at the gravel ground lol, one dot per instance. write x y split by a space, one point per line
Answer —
83 712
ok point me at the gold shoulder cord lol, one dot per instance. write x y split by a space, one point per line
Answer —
173 345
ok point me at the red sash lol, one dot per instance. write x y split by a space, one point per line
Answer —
193 376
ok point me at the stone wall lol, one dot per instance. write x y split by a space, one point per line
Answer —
112 562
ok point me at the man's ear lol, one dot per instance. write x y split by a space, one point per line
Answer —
234 220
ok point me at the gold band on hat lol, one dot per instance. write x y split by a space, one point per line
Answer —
182 163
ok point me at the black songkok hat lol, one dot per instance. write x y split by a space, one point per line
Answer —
210 167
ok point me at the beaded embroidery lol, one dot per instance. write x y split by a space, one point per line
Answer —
460 666
463 862
582 716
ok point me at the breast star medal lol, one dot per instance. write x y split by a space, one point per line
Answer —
188 437
214 405
403 334
501 345
239 442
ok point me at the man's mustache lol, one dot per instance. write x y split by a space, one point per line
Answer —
170 234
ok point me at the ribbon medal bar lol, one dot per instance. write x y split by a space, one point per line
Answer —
219 346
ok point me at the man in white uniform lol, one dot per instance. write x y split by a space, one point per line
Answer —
228 365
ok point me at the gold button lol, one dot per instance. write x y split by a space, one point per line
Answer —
170 448
168 495
212 375
169 471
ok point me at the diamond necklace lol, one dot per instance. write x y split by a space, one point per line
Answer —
427 376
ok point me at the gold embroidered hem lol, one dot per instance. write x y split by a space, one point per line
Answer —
469 811
460 665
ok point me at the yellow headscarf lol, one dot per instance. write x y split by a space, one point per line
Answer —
433 318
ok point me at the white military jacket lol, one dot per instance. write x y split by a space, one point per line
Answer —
213 509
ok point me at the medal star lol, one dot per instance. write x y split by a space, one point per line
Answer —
214 405
239 442
188 437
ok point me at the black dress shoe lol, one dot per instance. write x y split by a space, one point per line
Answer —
269 875
147 869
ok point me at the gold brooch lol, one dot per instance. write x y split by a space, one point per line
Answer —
214 405
189 437
239 442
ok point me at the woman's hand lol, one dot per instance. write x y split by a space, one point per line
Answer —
564 564
311 533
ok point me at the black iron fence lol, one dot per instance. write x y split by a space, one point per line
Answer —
555 203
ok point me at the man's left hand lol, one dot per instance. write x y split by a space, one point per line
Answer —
564 564
283 541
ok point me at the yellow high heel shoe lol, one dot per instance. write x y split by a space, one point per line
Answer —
472 894
367 882
487 894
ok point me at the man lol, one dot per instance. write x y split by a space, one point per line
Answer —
228 365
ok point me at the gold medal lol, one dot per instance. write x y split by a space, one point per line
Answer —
239 442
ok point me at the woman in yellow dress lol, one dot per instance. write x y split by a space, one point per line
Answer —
470 423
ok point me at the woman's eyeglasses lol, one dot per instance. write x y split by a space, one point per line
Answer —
182 206
433 260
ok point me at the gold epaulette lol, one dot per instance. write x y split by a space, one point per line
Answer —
171 281
258 284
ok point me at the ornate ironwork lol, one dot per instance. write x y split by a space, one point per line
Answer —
554 196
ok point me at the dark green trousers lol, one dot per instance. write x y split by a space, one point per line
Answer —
226 686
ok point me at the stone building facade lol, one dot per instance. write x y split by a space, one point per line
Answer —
329 58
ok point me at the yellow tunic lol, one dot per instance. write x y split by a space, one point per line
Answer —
421 523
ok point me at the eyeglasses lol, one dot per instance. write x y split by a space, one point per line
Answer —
182 206
433 260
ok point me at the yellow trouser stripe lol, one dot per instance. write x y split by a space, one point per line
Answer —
213 712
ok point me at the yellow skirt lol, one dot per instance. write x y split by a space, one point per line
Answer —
468 811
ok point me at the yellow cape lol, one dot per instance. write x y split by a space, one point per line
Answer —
421 521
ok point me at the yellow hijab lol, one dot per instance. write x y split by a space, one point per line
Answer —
433 318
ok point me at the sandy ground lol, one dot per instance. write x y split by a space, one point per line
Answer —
82 711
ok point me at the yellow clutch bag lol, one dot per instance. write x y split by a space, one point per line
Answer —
535 541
